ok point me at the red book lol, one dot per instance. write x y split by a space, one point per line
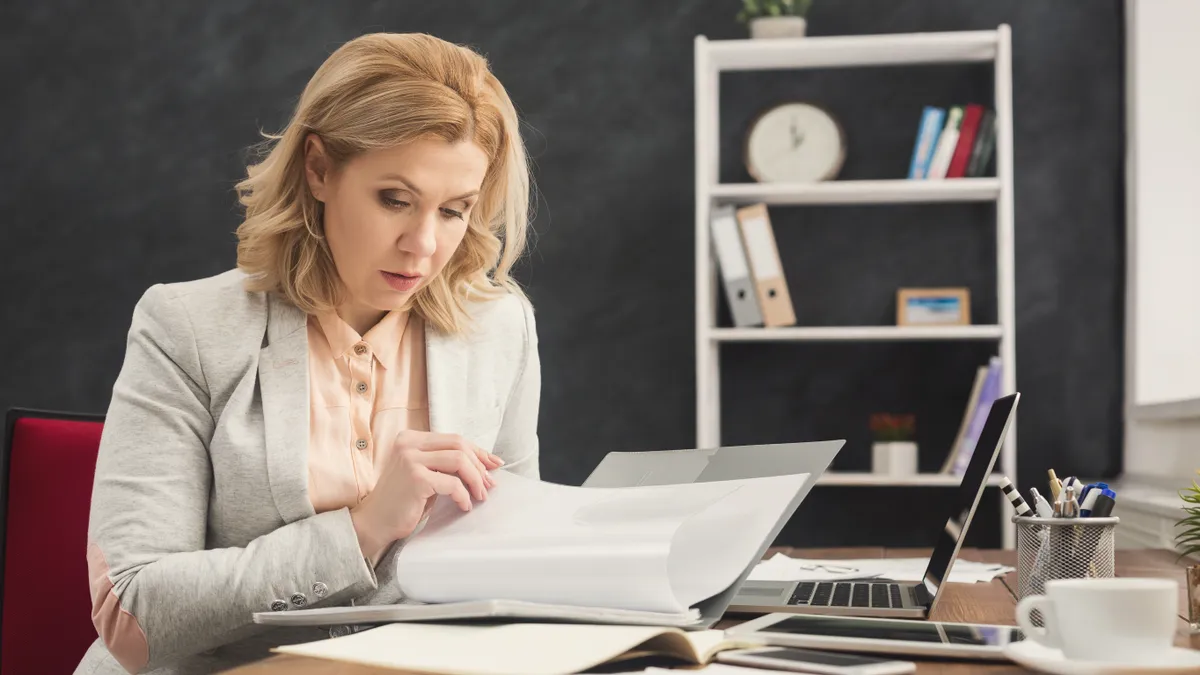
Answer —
966 140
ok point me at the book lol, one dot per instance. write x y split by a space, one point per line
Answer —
966 141
990 390
928 131
968 414
649 553
985 143
946 144
516 648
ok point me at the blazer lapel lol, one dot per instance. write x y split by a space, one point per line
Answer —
283 378
446 375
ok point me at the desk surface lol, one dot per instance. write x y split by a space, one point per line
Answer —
992 602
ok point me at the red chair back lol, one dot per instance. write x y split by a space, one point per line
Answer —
47 465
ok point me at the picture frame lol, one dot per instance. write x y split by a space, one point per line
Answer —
933 307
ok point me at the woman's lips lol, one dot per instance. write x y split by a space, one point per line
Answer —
401 282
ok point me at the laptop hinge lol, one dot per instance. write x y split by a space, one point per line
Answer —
921 595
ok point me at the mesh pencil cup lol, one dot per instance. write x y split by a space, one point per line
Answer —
1062 548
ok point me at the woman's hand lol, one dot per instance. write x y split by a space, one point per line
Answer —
422 466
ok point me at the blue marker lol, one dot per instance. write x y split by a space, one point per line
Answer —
1087 488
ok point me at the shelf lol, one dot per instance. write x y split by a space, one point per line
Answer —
855 333
919 480
853 50
859 191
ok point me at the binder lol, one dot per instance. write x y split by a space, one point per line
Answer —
770 284
735 270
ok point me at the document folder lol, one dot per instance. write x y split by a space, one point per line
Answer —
769 280
735 270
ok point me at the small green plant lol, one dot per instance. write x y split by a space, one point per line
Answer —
753 9
1188 540
886 427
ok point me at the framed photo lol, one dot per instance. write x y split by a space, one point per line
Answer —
933 307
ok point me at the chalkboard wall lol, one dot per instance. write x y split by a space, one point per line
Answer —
127 122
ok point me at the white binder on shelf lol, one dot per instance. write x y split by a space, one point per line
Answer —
765 267
735 269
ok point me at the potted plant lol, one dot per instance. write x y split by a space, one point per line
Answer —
1187 541
893 450
775 18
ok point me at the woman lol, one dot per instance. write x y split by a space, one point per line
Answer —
277 429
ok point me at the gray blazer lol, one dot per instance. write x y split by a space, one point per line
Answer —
200 514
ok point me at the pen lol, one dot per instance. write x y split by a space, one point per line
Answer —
1014 497
1055 485
1087 490
1043 508
1070 507
1089 499
1075 483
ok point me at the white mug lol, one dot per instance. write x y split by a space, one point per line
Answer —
1122 620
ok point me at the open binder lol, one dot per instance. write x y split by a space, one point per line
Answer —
663 555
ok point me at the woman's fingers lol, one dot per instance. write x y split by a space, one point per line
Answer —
457 463
450 486
432 441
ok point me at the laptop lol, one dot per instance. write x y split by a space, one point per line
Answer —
892 599
673 467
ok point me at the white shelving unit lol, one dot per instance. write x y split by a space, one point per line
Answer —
712 57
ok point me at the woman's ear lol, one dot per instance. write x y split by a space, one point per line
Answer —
316 166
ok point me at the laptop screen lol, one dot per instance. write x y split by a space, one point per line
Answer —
966 497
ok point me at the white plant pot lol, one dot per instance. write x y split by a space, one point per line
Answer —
777 27
896 458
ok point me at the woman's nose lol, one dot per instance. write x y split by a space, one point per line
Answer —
421 238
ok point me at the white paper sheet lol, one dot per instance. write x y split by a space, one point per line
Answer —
783 568
659 548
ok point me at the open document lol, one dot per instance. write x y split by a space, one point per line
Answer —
630 554
660 548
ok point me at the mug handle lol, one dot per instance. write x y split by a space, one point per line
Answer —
1044 636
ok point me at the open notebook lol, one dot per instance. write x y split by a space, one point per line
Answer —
515 649
539 550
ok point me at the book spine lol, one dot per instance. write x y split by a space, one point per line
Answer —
927 134
988 395
946 143
966 140
985 142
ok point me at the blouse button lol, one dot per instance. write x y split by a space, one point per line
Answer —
361 387
360 349
361 444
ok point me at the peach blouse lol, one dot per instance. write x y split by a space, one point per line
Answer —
363 390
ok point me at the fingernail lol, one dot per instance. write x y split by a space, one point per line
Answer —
498 460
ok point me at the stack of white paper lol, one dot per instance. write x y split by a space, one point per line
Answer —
658 548
783 568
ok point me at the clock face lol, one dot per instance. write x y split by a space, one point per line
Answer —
794 142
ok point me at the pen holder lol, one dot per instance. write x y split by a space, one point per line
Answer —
1062 548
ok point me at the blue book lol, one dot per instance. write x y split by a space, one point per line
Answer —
992 389
928 132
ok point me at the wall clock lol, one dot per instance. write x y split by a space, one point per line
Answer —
794 142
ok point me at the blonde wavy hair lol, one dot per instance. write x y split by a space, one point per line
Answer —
379 91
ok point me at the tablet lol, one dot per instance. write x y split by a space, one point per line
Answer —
884 636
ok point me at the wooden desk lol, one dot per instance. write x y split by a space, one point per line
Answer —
992 602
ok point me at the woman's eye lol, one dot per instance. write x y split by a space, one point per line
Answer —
393 202
453 214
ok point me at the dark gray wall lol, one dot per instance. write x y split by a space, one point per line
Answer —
126 123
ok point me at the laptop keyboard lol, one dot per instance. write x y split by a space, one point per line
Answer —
847 594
